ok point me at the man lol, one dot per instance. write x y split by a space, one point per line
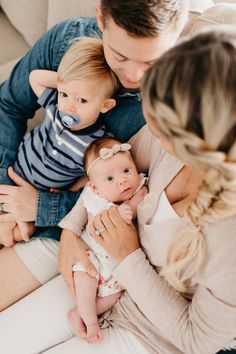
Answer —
132 41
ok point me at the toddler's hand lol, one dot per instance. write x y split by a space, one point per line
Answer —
6 233
23 231
126 212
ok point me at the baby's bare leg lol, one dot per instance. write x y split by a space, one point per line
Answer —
85 314
83 318
106 302
102 305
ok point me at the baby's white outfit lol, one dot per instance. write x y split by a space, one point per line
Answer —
95 204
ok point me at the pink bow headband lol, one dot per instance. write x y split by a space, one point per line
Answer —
106 153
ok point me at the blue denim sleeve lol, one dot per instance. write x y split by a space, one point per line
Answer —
18 103
126 118
50 202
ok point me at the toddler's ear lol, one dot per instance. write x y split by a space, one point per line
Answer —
108 104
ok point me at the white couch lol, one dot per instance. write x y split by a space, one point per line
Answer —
22 22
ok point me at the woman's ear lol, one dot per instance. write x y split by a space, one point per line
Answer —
107 105
99 17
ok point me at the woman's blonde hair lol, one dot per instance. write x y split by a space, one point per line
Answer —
190 95
85 60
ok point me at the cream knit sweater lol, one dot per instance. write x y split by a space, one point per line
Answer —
162 318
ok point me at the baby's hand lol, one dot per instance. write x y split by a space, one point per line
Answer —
126 212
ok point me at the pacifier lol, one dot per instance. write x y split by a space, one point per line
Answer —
69 120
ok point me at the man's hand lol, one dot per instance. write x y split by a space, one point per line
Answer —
20 202
73 250
126 212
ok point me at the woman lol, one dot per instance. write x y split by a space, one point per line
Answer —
185 300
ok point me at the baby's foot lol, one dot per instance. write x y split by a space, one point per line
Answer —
94 333
77 323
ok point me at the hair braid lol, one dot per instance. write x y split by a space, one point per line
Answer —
189 94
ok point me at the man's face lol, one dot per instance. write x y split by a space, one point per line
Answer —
129 56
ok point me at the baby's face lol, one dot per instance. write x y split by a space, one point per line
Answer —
83 99
115 178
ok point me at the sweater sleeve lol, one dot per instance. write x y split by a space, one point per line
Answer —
203 325
76 219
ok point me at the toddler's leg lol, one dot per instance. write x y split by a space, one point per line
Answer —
85 314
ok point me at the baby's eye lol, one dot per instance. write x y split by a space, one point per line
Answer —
62 94
126 170
109 179
82 100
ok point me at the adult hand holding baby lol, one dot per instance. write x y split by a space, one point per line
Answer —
118 238
73 250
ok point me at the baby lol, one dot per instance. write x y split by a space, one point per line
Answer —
113 179
51 155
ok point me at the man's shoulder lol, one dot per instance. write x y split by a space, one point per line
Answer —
80 26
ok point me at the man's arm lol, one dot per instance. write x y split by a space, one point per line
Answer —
18 102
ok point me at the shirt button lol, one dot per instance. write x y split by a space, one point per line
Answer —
59 142
54 152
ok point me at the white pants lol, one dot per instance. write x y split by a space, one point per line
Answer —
38 323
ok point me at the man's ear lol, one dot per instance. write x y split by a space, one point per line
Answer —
107 105
99 17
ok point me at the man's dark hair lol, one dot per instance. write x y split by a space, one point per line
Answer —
144 18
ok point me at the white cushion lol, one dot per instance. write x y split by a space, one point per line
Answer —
28 17
12 44
222 13
64 9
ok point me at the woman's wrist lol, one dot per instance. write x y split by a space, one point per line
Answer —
127 263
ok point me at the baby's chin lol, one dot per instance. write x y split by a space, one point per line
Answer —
127 194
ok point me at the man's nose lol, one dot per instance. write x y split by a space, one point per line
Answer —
134 73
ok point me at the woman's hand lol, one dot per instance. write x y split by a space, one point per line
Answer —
20 201
73 250
117 238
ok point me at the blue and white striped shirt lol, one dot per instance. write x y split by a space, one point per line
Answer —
51 156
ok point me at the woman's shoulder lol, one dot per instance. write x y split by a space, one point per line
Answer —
221 241
223 231
220 260
216 279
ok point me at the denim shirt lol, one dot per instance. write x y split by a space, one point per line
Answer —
18 103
